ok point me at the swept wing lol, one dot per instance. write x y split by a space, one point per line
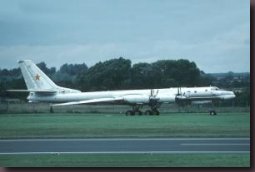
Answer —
99 100
34 90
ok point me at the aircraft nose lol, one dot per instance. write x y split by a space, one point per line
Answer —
229 95
233 94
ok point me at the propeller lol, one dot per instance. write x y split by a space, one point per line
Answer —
180 97
179 91
152 99
153 94
179 94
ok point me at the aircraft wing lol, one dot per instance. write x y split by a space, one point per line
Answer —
34 90
99 100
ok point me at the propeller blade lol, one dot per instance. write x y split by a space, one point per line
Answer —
157 93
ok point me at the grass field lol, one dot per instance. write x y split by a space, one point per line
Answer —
119 160
114 125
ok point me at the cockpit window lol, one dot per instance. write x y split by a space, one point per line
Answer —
215 88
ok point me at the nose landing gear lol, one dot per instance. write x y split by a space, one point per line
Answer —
51 109
212 112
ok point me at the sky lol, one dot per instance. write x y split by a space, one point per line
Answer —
215 34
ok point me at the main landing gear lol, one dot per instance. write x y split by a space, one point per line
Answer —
136 111
152 112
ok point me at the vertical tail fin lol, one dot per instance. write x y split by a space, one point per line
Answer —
34 77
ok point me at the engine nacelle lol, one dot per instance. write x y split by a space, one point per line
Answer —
202 102
136 99
147 99
166 99
181 97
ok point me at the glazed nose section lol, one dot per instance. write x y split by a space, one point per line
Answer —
233 94
229 95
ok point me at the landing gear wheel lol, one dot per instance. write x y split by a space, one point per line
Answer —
213 112
148 112
156 112
140 112
130 112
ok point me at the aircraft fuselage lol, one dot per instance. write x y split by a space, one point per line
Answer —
167 95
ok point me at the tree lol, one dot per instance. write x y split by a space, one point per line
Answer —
206 79
243 97
144 75
68 73
108 75
48 71
177 72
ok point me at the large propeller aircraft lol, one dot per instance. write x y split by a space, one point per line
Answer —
42 89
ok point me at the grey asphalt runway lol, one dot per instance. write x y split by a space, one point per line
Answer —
122 145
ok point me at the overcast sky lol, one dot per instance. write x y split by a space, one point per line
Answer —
215 34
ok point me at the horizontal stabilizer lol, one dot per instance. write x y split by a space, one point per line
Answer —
100 100
34 90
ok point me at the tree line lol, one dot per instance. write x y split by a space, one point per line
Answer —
117 74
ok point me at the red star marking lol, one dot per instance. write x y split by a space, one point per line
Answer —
37 77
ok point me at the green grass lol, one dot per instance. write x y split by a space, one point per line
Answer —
113 125
118 125
120 160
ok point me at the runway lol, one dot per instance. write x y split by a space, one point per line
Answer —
125 146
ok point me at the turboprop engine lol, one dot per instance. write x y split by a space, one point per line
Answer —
136 98
149 99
